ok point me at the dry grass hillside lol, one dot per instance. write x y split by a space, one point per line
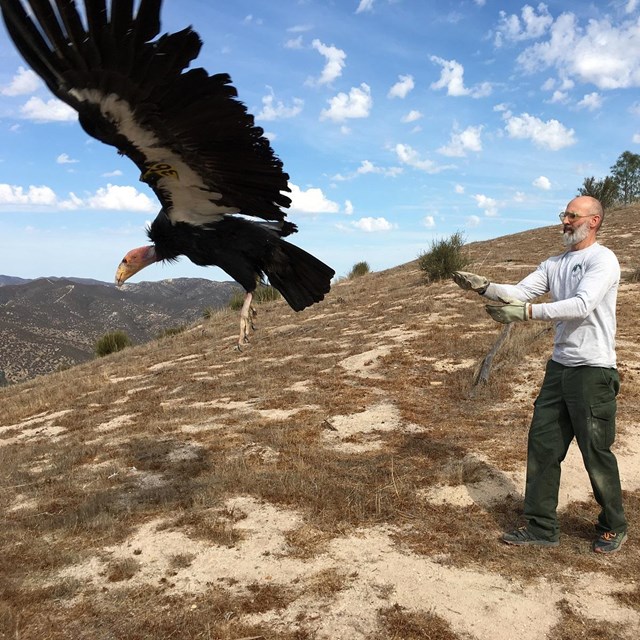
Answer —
338 479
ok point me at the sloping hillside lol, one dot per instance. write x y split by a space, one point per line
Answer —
340 478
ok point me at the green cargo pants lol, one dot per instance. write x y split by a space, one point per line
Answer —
580 402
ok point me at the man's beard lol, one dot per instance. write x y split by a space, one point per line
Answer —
576 235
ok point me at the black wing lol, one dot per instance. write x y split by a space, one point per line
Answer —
192 139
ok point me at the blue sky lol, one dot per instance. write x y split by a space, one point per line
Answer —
399 122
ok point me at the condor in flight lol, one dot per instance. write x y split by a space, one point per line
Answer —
193 141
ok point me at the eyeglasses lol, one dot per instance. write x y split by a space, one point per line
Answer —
572 216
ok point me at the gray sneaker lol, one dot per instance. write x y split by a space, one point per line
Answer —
523 536
609 542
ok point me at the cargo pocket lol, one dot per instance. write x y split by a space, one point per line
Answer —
603 423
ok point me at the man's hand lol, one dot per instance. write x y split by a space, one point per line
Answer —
512 310
470 281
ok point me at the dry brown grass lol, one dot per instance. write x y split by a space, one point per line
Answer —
170 432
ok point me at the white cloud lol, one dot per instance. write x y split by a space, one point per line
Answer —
64 158
120 198
278 110
335 61
311 201
480 3
559 97
489 205
412 116
602 54
25 81
631 6
299 28
542 182
531 25
15 195
636 138
107 198
112 174
452 78
366 167
294 43
365 5
401 88
356 104
348 207
409 156
429 222
251 19
591 101
549 135
635 109
519 197
372 225
472 221
52 110
459 188
463 141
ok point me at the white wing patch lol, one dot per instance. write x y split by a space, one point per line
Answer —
191 200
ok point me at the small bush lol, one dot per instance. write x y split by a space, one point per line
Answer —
263 293
444 257
112 342
209 312
359 269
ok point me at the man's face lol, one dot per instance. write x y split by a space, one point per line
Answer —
575 231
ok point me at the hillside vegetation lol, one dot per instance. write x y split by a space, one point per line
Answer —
340 478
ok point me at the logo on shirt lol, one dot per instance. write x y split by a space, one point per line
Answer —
577 270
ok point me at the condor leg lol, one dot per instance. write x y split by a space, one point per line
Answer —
247 314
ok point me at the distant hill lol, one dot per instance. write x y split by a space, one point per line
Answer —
5 280
9 280
50 323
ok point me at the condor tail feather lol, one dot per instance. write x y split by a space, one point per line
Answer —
301 278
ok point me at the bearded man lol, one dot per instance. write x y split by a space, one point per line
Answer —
581 382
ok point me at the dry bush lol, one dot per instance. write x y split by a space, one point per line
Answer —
399 624
575 625
359 269
122 569
325 584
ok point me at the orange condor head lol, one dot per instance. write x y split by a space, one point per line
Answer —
135 260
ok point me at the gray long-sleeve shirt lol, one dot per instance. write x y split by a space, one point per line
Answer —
584 287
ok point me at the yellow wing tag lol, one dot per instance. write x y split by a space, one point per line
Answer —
159 170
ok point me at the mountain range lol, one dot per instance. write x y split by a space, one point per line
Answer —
50 323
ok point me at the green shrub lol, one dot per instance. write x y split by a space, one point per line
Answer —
444 257
112 342
263 293
359 269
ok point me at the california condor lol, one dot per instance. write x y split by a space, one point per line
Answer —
193 141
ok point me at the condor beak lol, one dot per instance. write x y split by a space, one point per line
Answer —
135 260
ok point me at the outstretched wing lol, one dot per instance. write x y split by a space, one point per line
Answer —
192 139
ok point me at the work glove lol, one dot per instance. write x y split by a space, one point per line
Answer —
470 281
512 310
